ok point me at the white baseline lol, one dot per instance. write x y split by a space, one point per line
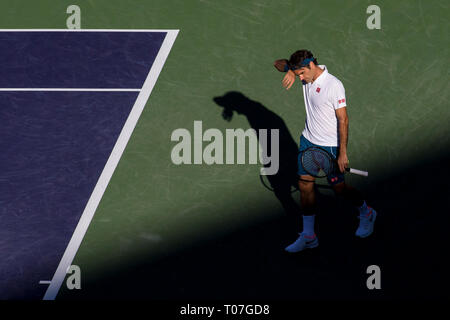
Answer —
72 89
89 30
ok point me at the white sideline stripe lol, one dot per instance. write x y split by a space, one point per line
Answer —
110 166
44 282
71 89
90 30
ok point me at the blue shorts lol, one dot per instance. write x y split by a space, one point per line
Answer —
334 178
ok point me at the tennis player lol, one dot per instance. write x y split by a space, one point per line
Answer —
326 126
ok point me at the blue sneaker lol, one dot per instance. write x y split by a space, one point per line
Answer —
303 242
366 223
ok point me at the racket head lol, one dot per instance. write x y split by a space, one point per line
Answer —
317 162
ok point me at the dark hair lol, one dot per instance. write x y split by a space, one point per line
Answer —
299 56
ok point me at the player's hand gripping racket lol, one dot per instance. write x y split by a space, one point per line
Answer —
320 163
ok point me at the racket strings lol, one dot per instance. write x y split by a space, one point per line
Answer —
315 160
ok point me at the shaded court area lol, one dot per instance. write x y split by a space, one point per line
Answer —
409 245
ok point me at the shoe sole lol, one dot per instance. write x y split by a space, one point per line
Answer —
311 246
371 229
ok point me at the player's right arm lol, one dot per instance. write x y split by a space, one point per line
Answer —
282 65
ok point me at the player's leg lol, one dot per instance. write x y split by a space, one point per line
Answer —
307 191
308 204
349 193
340 188
367 215
307 238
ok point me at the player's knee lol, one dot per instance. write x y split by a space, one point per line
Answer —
306 186
339 189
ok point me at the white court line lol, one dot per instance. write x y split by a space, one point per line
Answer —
110 166
88 30
72 89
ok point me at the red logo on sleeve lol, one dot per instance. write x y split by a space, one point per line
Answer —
318 90
341 101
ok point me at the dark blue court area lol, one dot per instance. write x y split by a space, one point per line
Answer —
77 59
54 145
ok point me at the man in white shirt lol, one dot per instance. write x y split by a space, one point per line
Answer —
326 126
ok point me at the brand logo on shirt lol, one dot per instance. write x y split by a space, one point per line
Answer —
341 101
318 90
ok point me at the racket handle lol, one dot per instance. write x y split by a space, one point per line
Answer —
358 172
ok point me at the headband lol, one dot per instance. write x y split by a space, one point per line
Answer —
307 61
303 64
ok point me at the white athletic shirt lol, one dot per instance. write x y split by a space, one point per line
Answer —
322 98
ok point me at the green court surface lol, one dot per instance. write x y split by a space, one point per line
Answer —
164 231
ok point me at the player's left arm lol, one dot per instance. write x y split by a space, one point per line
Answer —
342 118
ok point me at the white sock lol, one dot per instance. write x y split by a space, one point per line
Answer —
308 225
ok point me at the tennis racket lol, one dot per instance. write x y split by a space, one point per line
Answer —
320 163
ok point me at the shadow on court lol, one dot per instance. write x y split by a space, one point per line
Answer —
409 243
259 117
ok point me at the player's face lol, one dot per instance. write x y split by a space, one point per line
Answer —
305 74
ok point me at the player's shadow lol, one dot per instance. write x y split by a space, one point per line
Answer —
259 117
